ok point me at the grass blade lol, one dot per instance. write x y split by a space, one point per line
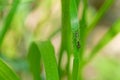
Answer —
74 25
44 51
99 15
76 37
6 73
66 38
8 20
112 32
83 27
34 58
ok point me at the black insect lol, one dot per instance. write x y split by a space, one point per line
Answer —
78 44
77 39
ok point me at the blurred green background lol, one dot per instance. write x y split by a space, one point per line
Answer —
39 19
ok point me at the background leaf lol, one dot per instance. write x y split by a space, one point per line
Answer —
99 15
8 20
112 32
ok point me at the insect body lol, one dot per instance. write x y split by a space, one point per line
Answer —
77 40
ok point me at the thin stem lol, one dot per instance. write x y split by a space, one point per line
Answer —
83 26
59 63
66 34
75 69
76 37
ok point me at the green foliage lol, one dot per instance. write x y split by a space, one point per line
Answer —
44 51
66 38
6 73
76 38
74 33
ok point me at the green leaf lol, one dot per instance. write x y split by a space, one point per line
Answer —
99 15
44 51
34 58
8 20
74 26
76 37
66 38
6 73
83 27
112 32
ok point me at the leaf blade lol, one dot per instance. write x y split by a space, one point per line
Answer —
34 58
74 21
48 59
7 73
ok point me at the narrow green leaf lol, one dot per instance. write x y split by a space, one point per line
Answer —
6 73
66 38
44 51
83 27
8 20
112 32
75 26
34 58
99 15
76 37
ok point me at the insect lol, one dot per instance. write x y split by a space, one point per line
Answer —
78 44
77 40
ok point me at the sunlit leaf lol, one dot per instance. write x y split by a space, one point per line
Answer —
44 51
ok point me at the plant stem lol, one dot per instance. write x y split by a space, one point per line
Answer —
66 35
75 69
83 26
76 38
